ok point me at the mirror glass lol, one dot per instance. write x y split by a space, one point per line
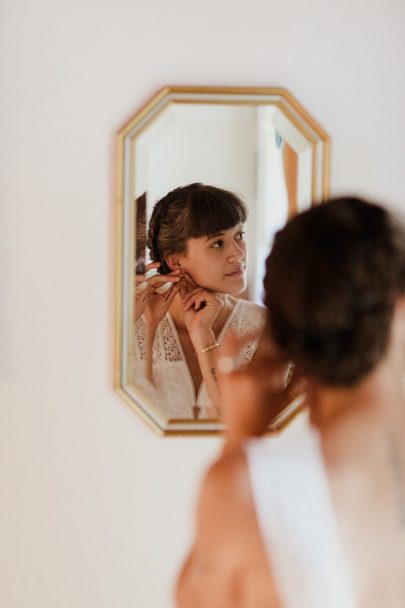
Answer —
258 143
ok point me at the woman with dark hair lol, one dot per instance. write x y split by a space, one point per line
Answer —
316 516
197 245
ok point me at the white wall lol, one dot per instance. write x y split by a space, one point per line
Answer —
95 511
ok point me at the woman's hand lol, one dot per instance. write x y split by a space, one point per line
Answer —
254 396
148 300
201 307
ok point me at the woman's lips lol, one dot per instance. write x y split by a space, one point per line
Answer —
236 273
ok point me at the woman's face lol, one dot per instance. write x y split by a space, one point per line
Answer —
218 263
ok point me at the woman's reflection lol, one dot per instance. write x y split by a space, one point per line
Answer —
186 310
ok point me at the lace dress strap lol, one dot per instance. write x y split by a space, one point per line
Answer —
247 318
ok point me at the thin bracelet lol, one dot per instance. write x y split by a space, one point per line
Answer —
204 350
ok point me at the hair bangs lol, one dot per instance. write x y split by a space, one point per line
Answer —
210 214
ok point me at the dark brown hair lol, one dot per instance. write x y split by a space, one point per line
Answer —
190 212
333 278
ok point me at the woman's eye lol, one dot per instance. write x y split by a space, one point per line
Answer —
218 243
240 235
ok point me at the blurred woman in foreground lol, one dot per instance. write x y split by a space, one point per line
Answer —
315 518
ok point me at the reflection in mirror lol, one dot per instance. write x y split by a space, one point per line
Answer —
197 259
190 307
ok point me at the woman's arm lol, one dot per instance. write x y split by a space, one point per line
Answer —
227 566
253 396
153 306
201 308
208 361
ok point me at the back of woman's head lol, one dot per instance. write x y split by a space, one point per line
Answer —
190 212
333 277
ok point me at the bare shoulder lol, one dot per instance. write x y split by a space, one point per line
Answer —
226 489
228 473
228 562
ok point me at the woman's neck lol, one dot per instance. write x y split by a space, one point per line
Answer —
176 312
364 411
363 444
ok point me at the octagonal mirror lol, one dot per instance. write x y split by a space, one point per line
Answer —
259 144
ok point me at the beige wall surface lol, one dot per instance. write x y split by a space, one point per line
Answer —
95 510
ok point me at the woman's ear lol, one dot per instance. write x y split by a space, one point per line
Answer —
398 322
173 261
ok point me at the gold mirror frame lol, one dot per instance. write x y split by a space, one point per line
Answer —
141 120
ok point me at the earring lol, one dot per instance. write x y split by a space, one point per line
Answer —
176 267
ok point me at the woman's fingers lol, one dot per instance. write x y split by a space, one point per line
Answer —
157 280
270 372
296 384
199 291
255 395
166 286
199 300
161 279
140 278
199 297
192 297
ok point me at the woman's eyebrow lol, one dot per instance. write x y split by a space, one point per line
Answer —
216 234
213 236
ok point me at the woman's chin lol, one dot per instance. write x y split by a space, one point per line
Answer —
238 292
231 288
237 289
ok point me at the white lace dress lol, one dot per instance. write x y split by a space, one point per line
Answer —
174 387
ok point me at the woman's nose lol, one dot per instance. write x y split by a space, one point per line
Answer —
237 253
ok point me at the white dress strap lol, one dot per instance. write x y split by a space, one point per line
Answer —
295 516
